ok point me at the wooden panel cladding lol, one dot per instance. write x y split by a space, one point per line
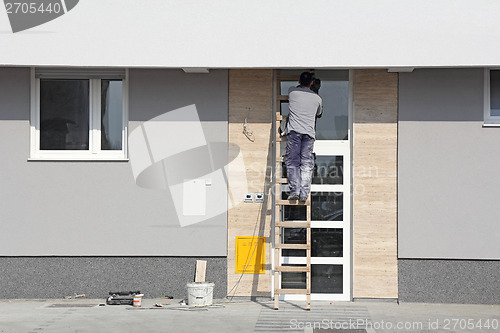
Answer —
375 135
250 100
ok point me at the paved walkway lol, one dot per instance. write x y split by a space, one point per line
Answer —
85 315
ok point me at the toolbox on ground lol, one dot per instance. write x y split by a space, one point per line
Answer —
121 297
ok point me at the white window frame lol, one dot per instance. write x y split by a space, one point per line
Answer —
94 152
326 148
489 120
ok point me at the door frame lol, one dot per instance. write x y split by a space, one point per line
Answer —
341 148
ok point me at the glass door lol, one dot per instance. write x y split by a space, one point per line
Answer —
330 195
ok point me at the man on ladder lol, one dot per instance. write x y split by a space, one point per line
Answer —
305 106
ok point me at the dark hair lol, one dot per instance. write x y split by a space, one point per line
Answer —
306 78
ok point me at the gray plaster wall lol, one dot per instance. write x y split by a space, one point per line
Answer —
449 281
448 184
93 208
56 277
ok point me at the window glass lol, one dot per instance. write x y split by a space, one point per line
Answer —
328 170
111 114
64 114
333 124
323 74
495 93
285 85
294 236
325 206
327 279
293 280
284 108
325 242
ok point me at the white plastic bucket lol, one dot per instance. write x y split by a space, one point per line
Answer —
137 300
200 293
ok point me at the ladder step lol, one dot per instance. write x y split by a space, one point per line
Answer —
283 97
292 246
299 269
293 225
293 203
292 291
282 180
280 139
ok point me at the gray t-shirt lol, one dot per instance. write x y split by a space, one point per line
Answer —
304 105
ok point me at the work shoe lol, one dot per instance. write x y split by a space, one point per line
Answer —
293 197
303 199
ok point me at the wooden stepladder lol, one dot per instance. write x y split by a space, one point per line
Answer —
279 216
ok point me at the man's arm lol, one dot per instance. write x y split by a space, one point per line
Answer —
319 112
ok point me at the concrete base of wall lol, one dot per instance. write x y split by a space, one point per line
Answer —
449 281
376 300
56 277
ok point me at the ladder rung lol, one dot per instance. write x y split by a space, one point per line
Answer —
292 246
280 139
283 97
282 180
298 269
292 225
293 203
292 291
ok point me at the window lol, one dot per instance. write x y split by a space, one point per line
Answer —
79 114
492 97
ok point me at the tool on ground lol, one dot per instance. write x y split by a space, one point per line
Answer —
75 296
121 297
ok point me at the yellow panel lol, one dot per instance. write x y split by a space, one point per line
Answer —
250 255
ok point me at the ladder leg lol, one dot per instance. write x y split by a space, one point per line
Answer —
308 253
276 264
277 212
277 239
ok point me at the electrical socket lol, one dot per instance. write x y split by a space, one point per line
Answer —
248 197
259 197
